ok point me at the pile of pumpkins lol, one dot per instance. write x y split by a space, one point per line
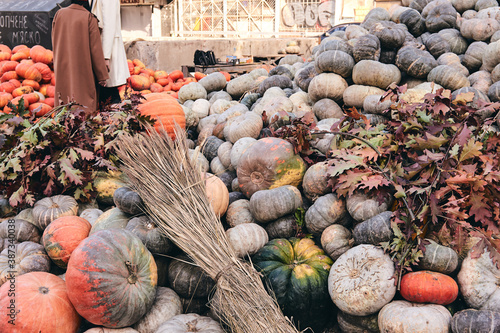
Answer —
145 80
120 271
27 73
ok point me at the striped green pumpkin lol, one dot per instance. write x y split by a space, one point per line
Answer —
297 271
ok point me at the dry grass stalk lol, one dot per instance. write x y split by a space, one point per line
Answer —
173 192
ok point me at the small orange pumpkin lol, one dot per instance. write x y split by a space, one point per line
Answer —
167 112
19 47
23 53
199 75
8 76
156 88
160 74
139 82
138 63
7 87
31 83
5 98
45 71
32 98
130 65
428 287
15 101
227 75
32 73
21 91
40 108
5 56
8 66
40 54
51 91
62 236
50 101
176 75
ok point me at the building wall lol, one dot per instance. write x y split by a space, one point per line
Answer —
173 53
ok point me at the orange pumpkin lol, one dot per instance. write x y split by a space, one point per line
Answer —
167 112
153 96
31 83
21 54
22 67
176 75
428 287
199 75
7 87
227 75
174 94
5 49
40 54
177 85
41 108
53 80
45 71
32 98
15 101
4 56
19 47
32 73
62 236
51 91
160 74
130 65
156 87
5 98
21 91
8 76
8 66
139 82
138 63
41 305
50 101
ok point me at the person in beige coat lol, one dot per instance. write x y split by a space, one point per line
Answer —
78 56
108 14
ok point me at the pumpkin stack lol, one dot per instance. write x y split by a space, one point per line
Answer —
26 73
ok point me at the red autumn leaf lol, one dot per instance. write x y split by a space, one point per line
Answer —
479 208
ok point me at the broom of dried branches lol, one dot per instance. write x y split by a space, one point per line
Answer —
173 191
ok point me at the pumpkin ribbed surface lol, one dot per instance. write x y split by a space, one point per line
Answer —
111 278
361 280
62 236
48 209
428 287
267 164
41 305
167 113
297 270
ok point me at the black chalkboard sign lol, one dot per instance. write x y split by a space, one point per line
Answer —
28 22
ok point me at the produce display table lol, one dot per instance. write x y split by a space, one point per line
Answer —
230 68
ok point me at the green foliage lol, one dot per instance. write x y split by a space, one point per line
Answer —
300 219
61 152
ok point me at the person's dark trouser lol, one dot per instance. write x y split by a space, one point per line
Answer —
109 93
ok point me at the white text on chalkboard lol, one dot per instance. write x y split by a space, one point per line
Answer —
14 21
26 37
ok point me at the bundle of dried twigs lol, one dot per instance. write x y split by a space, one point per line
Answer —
173 191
